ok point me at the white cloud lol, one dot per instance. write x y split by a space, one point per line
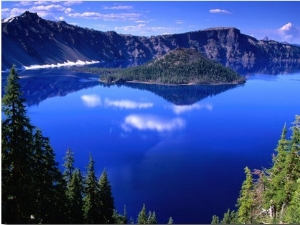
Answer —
111 16
91 100
179 22
288 32
69 3
119 7
128 104
142 29
153 123
179 109
220 11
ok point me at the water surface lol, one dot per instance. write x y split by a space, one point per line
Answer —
181 152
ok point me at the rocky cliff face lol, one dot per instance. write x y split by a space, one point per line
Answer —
29 39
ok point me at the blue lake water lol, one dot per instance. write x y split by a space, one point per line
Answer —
181 152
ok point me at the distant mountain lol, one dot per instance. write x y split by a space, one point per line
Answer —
179 66
28 39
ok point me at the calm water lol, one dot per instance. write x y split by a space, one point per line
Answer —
179 150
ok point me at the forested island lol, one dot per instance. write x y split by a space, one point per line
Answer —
178 67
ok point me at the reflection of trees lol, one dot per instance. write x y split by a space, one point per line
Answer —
38 85
280 67
184 94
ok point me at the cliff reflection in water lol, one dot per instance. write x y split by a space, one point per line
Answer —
38 85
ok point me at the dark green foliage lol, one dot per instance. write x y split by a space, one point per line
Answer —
32 185
48 182
17 155
74 196
120 219
91 200
69 165
180 66
106 198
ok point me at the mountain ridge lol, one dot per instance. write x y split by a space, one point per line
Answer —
29 39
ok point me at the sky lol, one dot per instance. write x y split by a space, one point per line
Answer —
277 20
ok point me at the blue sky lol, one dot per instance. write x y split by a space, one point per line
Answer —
277 20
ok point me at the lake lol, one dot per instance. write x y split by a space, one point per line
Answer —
180 150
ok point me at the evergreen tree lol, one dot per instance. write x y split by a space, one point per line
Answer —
245 201
47 182
170 220
91 200
17 155
120 219
230 217
151 218
74 195
293 210
106 198
142 217
215 220
69 165
284 174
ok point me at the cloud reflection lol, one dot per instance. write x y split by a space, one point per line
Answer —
146 122
91 100
128 104
179 109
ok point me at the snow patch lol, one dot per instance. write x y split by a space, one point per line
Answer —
68 63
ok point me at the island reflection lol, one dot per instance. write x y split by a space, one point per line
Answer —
38 85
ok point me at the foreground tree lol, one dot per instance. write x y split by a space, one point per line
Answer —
17 155
106 198
48 182
32 185
245 201
91 200
74 197
69 165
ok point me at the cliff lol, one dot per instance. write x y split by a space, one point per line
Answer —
28 39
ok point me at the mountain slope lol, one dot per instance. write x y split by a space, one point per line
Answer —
28 39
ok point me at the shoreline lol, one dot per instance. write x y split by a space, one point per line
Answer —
157 83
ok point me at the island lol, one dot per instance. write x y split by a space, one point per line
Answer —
178 67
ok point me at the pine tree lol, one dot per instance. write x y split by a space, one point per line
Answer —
215 220
91 200
293 210
275 195
230 217
281 182
170 220
17 155
106 198
142 217
151 218
69 165
75 199
245 201
49 183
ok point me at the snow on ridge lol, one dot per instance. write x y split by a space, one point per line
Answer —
68 63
